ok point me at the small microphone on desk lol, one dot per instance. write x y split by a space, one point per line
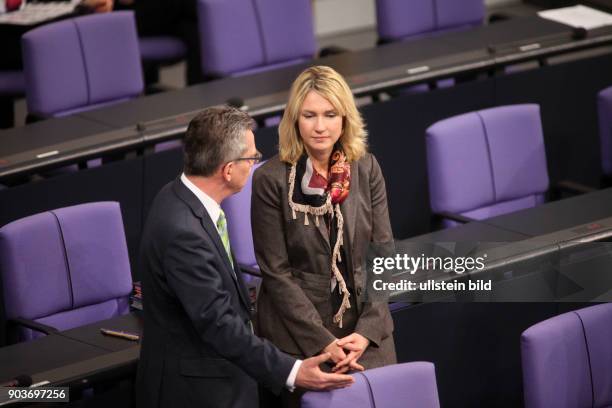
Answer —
236 102
19 381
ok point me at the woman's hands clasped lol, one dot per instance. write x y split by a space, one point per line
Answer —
346 351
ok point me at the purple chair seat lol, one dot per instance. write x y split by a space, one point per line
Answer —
408 385
487 163
65 267
239 37
567 360
12 83
81 63
162 49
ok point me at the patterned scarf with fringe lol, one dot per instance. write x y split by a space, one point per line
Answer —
319 197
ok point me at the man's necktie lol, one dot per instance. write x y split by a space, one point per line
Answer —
222 228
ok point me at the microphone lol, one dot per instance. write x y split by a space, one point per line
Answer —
22 380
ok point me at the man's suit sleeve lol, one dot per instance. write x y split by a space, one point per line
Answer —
374 323
189 263
297 311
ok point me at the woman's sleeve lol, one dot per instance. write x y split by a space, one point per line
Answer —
374 322
293 306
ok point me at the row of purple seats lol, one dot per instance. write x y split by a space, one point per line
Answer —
64 268
92 61
408 385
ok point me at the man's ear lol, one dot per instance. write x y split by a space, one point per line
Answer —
226 171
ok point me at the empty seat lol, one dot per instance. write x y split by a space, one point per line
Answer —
567 360
239 37
81 63
487 163
65 268
401 20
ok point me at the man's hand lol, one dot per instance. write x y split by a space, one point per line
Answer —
98 6
310 376
356 344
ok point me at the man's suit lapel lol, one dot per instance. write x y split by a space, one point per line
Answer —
198 209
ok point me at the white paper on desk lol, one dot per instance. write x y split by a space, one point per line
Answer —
34 13
578 16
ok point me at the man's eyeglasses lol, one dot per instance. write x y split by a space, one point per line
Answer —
254 159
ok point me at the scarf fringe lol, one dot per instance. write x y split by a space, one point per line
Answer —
326 208
346 304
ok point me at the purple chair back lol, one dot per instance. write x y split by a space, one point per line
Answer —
400 19
237 209
245 36
81 63
408 385
567 360
486 163
67 267
604 108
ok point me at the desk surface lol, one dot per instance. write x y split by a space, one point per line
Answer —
472 232
557 215
43 354
63 357
91 335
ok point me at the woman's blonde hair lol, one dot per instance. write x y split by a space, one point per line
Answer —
330 85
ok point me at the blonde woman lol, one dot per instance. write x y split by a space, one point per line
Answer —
315 208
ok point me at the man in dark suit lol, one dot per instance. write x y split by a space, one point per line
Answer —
198 348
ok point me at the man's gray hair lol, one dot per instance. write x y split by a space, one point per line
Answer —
214 137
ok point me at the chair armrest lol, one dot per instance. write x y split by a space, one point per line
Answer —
332 50
31 324
454 217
